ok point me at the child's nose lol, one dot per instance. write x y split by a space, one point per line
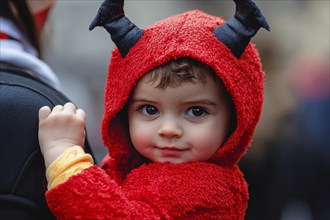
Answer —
170 127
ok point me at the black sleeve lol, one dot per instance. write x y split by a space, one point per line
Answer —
22 170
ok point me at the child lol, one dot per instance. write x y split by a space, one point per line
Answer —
181 103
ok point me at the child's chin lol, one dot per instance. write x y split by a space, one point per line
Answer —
174 161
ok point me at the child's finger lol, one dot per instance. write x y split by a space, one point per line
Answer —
80 113
70 107
58 108
44 113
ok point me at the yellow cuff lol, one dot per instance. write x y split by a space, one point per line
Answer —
72 161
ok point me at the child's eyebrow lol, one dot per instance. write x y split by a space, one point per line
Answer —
194 102
201 101
142 100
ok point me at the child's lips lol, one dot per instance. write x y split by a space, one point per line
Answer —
171 151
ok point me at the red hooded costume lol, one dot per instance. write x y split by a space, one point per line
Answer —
125 186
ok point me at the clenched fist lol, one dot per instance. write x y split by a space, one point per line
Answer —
59 129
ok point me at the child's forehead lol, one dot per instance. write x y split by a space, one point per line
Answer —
151 83
175 79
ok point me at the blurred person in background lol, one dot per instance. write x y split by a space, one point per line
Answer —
288 175
20 37
273 194
301 164
26 84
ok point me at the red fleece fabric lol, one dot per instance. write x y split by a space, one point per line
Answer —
196 190
125 187
185 35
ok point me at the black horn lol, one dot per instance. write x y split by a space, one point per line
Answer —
237 31
124 33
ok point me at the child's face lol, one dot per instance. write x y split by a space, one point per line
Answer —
187 123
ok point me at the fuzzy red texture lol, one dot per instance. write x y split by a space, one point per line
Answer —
185 35
197 190
123 188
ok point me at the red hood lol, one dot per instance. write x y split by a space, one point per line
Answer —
184 35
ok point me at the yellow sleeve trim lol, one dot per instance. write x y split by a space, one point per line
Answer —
72 161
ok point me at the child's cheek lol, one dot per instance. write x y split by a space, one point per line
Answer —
141 135
206 140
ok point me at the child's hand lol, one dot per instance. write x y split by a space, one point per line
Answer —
59 129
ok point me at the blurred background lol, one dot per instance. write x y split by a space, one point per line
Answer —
287 166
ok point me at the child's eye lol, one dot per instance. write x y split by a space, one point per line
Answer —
196 112
149 110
